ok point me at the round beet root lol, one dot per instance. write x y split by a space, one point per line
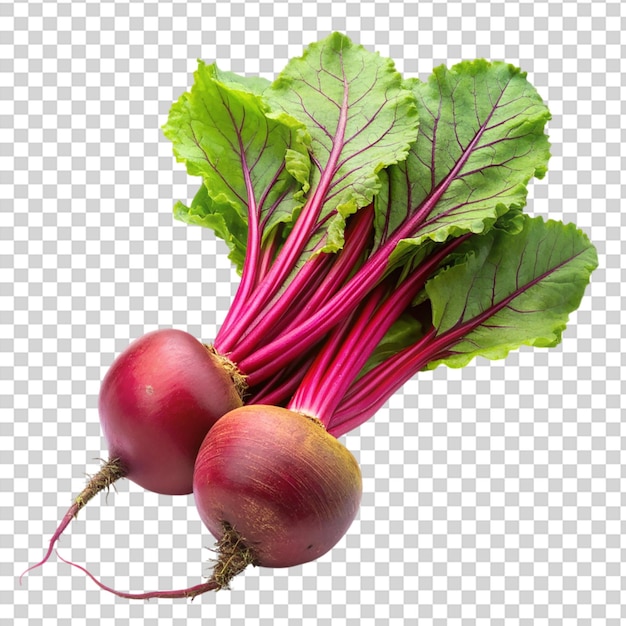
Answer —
157 402
285 487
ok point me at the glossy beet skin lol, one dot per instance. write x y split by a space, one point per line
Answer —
280 480
157 402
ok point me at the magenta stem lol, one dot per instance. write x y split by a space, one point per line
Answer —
357 241
303 296
360 344
368 331
282 308
305 398
269 359
268 252
253 246
371 391
278 390
294 245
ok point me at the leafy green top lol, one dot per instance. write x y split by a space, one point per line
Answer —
367 210
510 290
481 139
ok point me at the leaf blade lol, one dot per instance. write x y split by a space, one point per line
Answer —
481 139
222 131
360 118
512 290
226 224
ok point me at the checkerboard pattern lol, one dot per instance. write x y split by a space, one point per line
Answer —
493 495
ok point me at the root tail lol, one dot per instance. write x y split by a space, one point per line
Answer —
111 471
234 557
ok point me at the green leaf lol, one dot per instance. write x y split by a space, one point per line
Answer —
405 331
221 130
360 118
253 84
227 224
481 139
512 290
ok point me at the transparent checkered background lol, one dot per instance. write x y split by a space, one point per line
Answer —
493 495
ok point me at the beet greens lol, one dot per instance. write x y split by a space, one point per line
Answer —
363 209
379 230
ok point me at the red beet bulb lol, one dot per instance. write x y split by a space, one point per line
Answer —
157 402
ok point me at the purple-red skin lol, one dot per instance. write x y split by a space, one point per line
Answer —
157 402
280 480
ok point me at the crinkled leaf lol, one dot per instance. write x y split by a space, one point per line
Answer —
227 224
481 139
221 130
512 290
360 118
253 84
512 221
